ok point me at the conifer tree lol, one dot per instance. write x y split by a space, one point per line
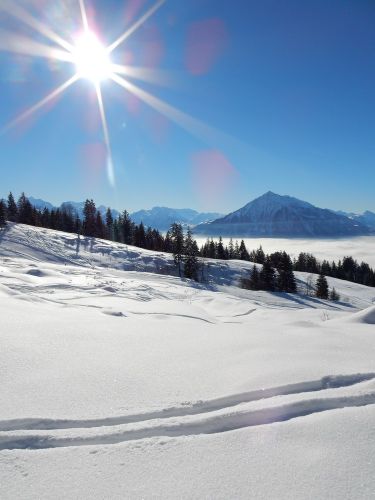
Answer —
89 221
45 217
220 252
77 225
177 237
127 228
109 224
25 210
334 295
117 229
3 213
12 209
212 250
325 268
99 225
267 277
260 256
254 282
168 246
321 287
244 254
205 248
285 280
231 249
190 257
139 238
236 250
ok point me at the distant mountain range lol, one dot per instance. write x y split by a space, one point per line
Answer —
367 218
162 217
158 217
270 215
273 215
40 204
75 206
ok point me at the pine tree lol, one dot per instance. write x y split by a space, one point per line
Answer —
220 252
267 277
12 209
3 213
321 287
117 230
334 295
177 237
89 221
244 254
168 245
139 238
325 268
99 225
349 267
109 224
127 228
286 281
212 250
254 281
231 249
77 228
260 256
205 248
45 218
190 258
236 251
25 210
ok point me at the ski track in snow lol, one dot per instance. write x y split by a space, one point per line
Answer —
47 267
175 422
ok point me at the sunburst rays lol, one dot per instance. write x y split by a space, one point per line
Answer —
40 104
135 26
64 51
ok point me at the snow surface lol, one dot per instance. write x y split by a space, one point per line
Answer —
121 381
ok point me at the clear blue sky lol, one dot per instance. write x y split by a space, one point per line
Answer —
288 88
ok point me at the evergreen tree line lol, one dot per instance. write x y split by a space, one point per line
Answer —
184 248
121 229
275 275
281 279
346 269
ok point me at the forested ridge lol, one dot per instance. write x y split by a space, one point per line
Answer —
276 273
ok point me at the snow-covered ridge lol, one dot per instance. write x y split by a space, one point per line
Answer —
56 247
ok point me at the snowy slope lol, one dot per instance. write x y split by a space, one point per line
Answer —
118 382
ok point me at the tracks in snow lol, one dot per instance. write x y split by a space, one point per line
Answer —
189 420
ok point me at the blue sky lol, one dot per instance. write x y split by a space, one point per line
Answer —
283 91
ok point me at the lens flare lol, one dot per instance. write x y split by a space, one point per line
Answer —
91 58
92 62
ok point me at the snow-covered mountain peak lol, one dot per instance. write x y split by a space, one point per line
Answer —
282 216
266 205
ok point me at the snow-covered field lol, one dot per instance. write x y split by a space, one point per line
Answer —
121 381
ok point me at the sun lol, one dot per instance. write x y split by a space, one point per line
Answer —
91 58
